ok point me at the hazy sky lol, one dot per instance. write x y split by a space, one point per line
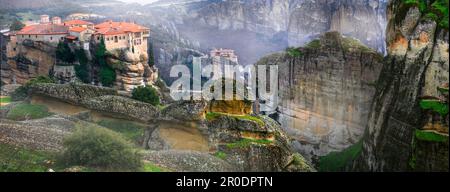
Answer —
139 1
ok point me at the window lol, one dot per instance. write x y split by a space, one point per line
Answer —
51 38
107 39
29 36
62 38
35 36
115 39
14 49
98 38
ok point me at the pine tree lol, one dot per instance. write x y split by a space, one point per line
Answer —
63 53
107 74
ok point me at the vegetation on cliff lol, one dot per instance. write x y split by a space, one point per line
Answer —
107 74
294 52
82 70
146 94
435 105
214 115
64 53
436 10
337 161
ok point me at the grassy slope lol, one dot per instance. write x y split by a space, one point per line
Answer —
336 161
131 131
25 111
17 159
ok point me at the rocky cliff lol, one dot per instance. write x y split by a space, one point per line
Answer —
248 143
325 90
272 25
132 70
417 64
27 60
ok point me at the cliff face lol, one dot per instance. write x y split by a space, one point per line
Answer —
417 64
360 19
287 23
28 60
325 93
132 70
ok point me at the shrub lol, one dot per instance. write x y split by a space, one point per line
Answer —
22 92
100 148
430 136
146 94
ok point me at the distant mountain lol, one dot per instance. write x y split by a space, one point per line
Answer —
257 27
36 4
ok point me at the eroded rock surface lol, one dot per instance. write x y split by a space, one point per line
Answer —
417 63
325 92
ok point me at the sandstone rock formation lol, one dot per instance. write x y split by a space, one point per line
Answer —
254 145
132 70
325 93
236 107
273 156
28 60
417 63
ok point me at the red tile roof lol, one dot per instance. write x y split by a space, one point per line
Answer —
71 37
44 29
113 28
77 22
77 29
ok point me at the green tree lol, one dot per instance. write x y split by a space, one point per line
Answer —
64 53
107 74
16 25
99 147
100 51
146 94
82 70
